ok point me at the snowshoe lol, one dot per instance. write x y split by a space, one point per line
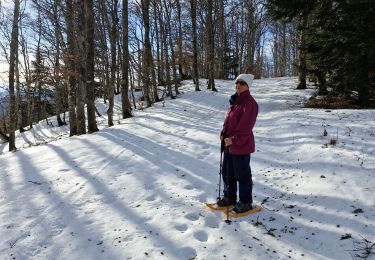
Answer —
221 204
234 214
214 206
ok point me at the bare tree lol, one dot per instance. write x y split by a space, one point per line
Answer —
155 44
126 107
193 13
81 88
90 66
147 55
168 31
112 40
211 47
164 44
18 108
283 51
222 34
179 39
12 64
71 66
27 75
56 70
158 37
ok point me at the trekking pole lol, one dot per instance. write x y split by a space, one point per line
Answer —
221 169
228 221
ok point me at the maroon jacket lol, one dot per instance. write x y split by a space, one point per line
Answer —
239 124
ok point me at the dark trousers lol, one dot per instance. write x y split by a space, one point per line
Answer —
236 168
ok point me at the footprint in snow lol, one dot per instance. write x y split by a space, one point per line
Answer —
201 236
56 227
205 147
211 221
192 216
202 198
10 225
127 238
187 253
206 152
183 132
151 198
12 243
181 227
91 211
189 187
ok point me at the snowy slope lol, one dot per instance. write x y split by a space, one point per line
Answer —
136 190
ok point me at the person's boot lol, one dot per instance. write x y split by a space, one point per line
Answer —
225 202
241 207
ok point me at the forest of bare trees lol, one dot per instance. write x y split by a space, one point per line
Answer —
62 55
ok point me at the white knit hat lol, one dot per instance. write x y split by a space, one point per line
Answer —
248 78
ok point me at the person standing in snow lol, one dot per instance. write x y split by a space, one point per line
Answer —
238 138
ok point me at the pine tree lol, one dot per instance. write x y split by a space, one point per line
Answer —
340 43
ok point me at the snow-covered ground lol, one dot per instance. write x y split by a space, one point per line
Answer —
136 190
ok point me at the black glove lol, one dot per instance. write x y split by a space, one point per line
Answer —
232 99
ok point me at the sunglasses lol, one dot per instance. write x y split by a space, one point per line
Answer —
241 82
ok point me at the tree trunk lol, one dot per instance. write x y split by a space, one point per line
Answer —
71 68
163 32
18 98
56 71
169 35
112 39
12 63
126 107
38 65
90 66
321 83
175 79
132 88
147 57
283 57
276 55
302 58
251 30
103 26
211 47
28 89
223 41
119 64
179 41
194 39
81 90
3 136
159 59
162 54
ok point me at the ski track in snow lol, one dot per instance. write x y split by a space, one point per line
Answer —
136 190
